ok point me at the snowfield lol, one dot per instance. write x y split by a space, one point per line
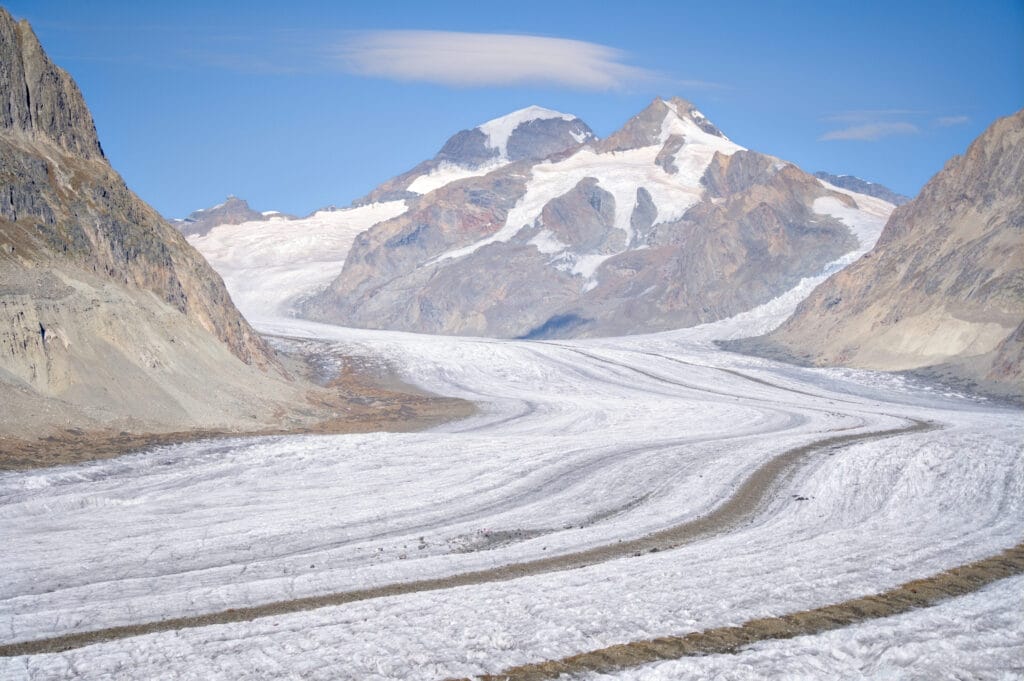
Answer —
267 265
576 445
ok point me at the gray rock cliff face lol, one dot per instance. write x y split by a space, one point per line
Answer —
39 99
943 287
467 148
63 199
542 138
585 217
664 224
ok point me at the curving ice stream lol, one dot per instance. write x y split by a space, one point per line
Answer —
576 445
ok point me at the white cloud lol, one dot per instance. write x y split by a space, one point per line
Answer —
480 59
871 131
950 121
868 115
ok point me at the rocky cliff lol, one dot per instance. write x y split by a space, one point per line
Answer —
108 318
666 223
944 286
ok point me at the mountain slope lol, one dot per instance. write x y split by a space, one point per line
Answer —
270 263
666 223
944 286
108 318
863 186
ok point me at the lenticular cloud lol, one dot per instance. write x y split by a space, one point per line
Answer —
481 59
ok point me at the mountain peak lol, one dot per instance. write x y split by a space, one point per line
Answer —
659 121
685 110
37 98
233 211
499 130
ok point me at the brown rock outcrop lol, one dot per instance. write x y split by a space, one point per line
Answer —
943 287
109 320
61 199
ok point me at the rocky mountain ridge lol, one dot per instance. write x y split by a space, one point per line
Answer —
232 211
109 320
856 184
943 290
530 134
666 223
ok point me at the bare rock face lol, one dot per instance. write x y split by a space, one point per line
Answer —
97 291
944 286
64 199
40 100
585 216
665 224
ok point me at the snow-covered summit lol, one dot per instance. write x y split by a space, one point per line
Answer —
665 223
499 130
659 122
529 134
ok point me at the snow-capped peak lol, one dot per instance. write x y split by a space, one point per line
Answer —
498 130
681 110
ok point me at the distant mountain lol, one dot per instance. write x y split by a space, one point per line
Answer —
109 320
530 134
666 223
856 184
234 211
944 287
272 262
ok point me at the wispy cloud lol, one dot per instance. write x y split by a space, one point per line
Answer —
483 59
950 121
866 115
870 132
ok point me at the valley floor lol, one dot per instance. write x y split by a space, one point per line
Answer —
605 492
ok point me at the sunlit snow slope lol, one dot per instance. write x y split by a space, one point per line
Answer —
576 445
268 264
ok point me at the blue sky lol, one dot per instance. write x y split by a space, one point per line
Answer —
299 105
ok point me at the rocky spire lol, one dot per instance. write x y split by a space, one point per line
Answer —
39 99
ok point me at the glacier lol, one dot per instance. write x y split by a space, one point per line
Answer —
575 446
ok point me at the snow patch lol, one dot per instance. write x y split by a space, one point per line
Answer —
446 173
546 242
866 225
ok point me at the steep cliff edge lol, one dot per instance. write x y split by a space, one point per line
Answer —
943 289
109 320
61 198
